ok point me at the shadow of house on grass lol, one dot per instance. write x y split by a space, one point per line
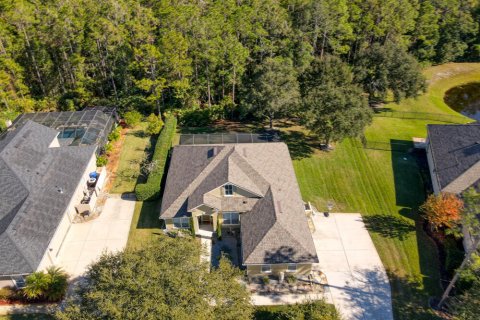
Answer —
411 180
149 215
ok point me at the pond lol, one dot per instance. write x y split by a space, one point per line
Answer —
465 99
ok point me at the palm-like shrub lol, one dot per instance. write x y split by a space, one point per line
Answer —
50 285
35 285
57 283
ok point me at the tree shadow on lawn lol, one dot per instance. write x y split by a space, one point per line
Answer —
389 226
410 300
299 144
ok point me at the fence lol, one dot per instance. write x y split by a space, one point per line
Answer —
420 116
399 146
223 138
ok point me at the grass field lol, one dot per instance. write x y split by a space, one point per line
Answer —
134 150
387 188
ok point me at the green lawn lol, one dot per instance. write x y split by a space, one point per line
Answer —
145 223
134 150
386 187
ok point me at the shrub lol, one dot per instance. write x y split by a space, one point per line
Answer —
7 293
132 118
115 134
102 161
290 278
155 124
219 228
50 285
265 279
200 117
151 189
108 148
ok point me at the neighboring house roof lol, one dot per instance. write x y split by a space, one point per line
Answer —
274 227
456 152
37 184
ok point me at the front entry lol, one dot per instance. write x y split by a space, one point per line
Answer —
205 222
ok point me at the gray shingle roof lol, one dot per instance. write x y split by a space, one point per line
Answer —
455 149
31 205
274 227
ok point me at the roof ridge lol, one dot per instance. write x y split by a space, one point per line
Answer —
235 156
200 178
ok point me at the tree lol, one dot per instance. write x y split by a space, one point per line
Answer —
274 89
163 280
442 210
333 106
155 124
381 68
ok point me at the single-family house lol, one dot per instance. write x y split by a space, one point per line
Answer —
45 178
453 154
248 188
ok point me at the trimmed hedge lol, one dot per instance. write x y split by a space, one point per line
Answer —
151 189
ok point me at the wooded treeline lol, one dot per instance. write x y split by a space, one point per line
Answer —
156 54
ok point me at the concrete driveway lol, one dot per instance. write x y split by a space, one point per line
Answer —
85 242
357 280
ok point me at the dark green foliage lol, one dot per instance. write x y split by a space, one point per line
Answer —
151 189
383 68
163 280
102 160
334 107
200 117
155 55
274 89
314 310
132 118
453 255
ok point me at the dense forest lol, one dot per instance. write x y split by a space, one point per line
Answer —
233 58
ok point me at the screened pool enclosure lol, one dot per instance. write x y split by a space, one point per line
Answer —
89 126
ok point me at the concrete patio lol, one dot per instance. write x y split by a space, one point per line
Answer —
85 242
357 282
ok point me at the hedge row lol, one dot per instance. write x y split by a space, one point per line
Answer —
151 189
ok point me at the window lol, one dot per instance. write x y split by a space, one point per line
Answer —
231 218
266 268
292 268
228 190
181 222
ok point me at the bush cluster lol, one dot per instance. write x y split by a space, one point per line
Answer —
132 118
200 117
115 134
151 189
50 285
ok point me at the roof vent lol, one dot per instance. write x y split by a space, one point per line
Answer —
59 189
